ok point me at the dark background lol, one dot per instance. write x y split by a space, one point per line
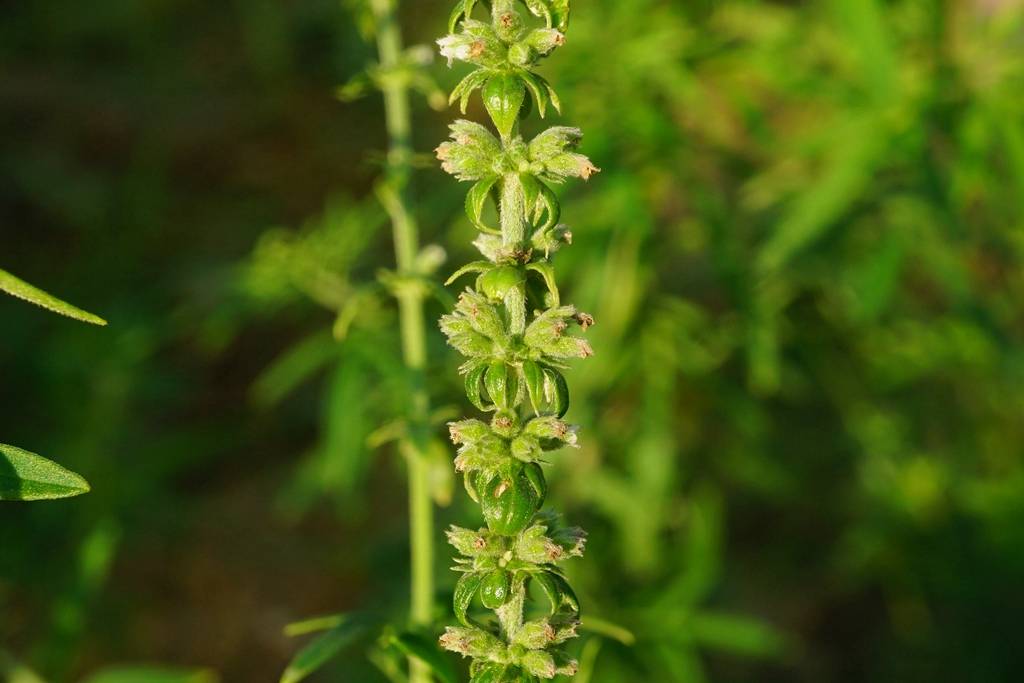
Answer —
801 434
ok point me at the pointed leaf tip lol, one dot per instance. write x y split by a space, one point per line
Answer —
17 287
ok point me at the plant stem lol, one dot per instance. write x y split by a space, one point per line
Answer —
410 303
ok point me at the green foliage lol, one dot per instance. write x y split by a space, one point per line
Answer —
27 476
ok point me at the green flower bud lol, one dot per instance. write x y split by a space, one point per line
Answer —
549 427
487 454
549 326
535 547
470 154
526 448
468 431
494 590
521 54
539 663
477 44
483 316
562 166
472 642
468 542
553 142
508 25
535 635
505 423
544 40
464 338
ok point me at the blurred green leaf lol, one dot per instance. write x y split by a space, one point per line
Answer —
151 675
322 649
416 645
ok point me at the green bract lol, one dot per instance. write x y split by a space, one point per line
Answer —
517 336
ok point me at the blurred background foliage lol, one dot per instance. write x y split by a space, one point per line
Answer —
803 438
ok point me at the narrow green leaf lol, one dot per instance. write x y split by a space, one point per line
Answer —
557 391
292 368
465 590
534 380
547 201
473 385
144 674
537 91
608 629
27 476
314 624
415 645
560 14
738 634
321 650
547 271
499 384
23 290
476 200
535 475
474 267
540 9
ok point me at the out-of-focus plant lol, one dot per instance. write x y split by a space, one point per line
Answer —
513 328
398 71
25 475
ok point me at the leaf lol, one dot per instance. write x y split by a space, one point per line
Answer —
315 624
737 634
557 391
292 368
537 91
560 14
27 476
474 267
143 674
547 271
23 290
558 591
322 649
415 645
549 201
467 86
534 377
499 383
540 9
476 199
608 629
473 378
465 590
503 97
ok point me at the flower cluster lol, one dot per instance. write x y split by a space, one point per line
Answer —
517 336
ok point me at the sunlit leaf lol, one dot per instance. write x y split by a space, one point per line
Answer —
23 290
27 476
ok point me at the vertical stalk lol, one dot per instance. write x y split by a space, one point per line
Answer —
410 302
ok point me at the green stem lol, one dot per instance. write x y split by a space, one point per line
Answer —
410 303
